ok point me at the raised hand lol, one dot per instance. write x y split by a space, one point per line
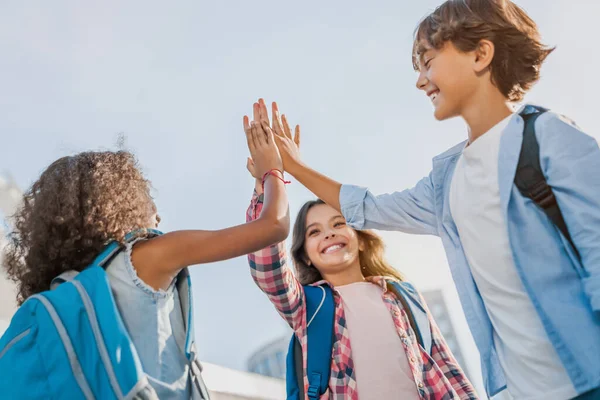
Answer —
289 146
263 150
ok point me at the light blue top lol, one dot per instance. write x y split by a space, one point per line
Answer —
156 325
565 291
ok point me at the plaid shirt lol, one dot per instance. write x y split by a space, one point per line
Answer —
437 375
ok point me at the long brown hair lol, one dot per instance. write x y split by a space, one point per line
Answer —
371 258
68 215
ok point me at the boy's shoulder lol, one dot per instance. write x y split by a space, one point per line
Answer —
551 117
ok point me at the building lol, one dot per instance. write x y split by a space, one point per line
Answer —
269 360
441 313
10 195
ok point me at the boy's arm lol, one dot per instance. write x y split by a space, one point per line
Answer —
570 160
410 211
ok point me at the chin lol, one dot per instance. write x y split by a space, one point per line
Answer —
441 115
337 265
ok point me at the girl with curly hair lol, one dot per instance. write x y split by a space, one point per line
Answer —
82 202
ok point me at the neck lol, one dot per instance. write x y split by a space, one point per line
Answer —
485 109
345 277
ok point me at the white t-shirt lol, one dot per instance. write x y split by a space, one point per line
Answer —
380 363
530 362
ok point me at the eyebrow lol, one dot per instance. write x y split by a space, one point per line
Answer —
330 219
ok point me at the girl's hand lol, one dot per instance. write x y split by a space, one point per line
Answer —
257 179
289 146
263 150
250 168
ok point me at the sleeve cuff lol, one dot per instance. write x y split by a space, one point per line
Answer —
352 205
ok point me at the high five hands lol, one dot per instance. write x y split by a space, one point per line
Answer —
279 129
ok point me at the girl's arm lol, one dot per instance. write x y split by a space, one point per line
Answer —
273 276
159 259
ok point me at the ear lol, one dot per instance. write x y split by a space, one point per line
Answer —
484 54
361 244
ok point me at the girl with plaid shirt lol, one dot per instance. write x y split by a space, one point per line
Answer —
375 351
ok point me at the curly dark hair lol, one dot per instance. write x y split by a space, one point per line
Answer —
519 52
78 204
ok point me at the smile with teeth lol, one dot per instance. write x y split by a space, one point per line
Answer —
333 248
433 95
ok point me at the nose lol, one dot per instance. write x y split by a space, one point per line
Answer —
422 80
329 235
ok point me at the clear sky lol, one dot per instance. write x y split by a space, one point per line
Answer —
177 77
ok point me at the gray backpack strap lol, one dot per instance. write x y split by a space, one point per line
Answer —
66 276
198 385
413 306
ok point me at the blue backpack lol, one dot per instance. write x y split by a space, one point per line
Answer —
70 342
320 314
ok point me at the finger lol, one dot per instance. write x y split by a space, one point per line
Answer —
279 141
259 135
264 114
249 139
277 126
269 134
246 123
255 112
297 136
286 127
254 135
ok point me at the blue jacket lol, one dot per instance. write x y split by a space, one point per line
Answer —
565 290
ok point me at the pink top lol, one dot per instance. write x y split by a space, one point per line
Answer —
380 363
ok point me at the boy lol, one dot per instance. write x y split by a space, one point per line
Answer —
530 292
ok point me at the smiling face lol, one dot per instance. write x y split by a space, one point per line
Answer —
448 78
330 244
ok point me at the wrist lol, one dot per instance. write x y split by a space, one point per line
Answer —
294 167
258 186
274 173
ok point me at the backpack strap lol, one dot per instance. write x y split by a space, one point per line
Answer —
530 179
107 254
410 299
320 310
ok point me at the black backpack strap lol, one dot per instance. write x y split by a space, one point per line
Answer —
530 179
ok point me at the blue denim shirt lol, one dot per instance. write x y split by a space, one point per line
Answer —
156 324
565 290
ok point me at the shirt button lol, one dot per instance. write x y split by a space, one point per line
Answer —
420 385
412 360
